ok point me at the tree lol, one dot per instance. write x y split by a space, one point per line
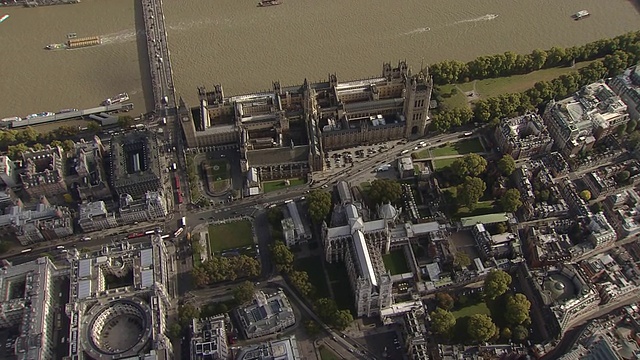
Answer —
520 333
275 216
186 313
94 127
319 205
4 246
442 322
631 126
200 276
244 292
68 198
517 309
501 228
596 208
507 165
68 145
585 195
481 328
196 247
470 191
326 308
125 121
470 164
445 301
496 283
282 257
623 176
510 201
175 330
342 319
505 334
383 191
312 327
300 280
461 259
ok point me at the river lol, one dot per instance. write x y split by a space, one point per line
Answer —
245 48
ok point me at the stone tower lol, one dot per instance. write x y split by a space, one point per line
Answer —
186 122
416 105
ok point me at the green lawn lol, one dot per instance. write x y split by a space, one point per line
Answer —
313 267
482 208
395 262
479 308
327 354
233 235
220 185
269 186
219 169
453 101
510 84
339 279
443 163
458 148
519 83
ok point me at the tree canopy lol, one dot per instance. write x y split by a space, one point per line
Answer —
507 165
517 309
328 311
481 328
585 195
442 322
384 191
520 333
469 165
444 300
186 313
218 268
282 257
510 201
300 280
470 191
319 205
496 283
244 292
461 259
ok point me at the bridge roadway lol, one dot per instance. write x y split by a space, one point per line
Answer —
162 81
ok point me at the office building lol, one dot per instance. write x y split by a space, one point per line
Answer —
209 339
151 206
601 233
627 86
282 349
94 216
269 313
135 167
523 136
87 170
43 222
119 301
8 174
578 122
28 303
43 173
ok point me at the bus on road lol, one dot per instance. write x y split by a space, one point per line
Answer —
26 251
178 232
183 222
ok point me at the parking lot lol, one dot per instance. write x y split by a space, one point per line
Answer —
388 345
340 159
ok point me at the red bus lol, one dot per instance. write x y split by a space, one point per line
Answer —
179 197
135 235
177 182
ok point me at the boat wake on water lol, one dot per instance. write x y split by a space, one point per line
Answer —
487 17
417 31
122 36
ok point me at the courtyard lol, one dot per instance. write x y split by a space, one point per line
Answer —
395 262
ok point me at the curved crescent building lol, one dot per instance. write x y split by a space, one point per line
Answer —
118 302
